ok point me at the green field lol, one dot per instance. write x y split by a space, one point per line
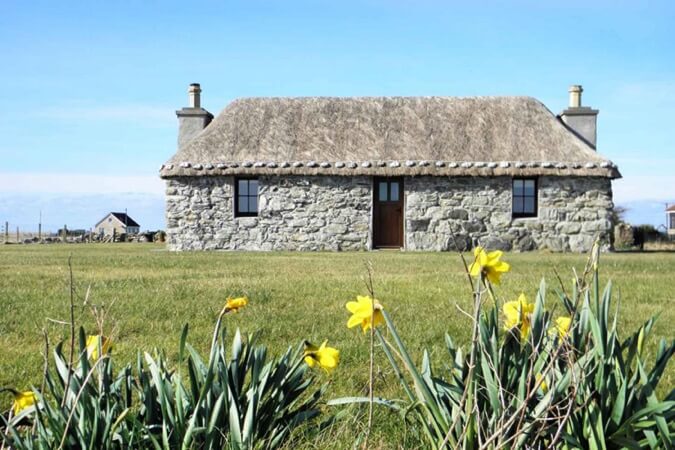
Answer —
150 293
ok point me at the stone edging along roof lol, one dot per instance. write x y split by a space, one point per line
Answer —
392 168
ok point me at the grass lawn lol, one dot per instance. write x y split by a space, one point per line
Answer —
150 293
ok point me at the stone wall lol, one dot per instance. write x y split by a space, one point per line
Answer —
457 213
334 213
295 213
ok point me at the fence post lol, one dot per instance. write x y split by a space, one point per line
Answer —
6 232
17 235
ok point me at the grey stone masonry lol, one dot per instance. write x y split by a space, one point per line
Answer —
191 122
456 213
583 121
335 213
295 213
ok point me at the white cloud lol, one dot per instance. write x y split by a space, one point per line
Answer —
662 163
63 183
78 210
644 187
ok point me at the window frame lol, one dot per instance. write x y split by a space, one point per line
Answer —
522 214
238 213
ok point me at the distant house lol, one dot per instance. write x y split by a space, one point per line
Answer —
670 220
361 173
116 223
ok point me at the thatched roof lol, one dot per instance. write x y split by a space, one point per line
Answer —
388 136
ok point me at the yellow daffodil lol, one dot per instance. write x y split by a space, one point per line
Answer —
543 386
562 326
489 264
362 313
235 304
23 400
325 357
93 344
517 313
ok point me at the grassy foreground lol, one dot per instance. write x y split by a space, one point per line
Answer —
149 294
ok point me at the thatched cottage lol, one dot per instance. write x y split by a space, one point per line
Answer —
417 173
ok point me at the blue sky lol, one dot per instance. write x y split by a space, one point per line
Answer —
89 89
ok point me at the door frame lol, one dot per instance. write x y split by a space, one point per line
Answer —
375 210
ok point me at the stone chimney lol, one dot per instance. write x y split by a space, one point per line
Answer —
582 120
192 119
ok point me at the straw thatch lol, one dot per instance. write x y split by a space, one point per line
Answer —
388 136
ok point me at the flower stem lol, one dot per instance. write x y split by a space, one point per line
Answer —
371 372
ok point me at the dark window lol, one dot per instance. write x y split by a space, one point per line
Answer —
383 196
393 192
246 197
524 197
672 221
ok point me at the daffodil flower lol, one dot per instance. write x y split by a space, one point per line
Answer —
488 264
325 357
517 314
93 345
235 304
23 400
543 385
562 326
362 313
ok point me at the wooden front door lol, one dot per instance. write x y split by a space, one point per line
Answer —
388 213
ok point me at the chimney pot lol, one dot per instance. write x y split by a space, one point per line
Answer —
194 92
575 95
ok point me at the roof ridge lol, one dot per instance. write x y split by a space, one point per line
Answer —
384 97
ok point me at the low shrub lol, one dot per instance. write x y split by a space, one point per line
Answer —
643 234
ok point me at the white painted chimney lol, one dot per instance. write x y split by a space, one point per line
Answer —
581 120
192 119
575 95
194 92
